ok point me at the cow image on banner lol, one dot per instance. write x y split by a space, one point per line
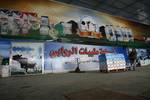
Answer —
26 58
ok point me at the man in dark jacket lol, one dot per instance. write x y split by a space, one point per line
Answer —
132 58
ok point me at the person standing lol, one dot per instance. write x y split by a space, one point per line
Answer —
132 58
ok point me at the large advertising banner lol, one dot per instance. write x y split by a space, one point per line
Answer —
46 19
26 58
5 47
61 57
143 56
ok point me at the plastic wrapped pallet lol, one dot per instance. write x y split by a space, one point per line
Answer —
112 61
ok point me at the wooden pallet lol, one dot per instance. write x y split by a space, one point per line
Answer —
114 70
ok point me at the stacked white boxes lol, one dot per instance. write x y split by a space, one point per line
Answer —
112 61
109 30
4 71
118 33
145 62
148 61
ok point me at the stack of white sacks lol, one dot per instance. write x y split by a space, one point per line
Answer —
4 69
145 62
112 61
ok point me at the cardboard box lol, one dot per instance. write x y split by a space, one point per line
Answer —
4 71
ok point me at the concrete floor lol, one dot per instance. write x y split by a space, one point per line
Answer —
54 86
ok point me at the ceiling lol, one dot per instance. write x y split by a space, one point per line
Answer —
135 10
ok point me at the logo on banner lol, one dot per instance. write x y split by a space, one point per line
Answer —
22 49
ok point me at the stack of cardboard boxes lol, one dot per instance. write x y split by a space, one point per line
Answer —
112 61
4 69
